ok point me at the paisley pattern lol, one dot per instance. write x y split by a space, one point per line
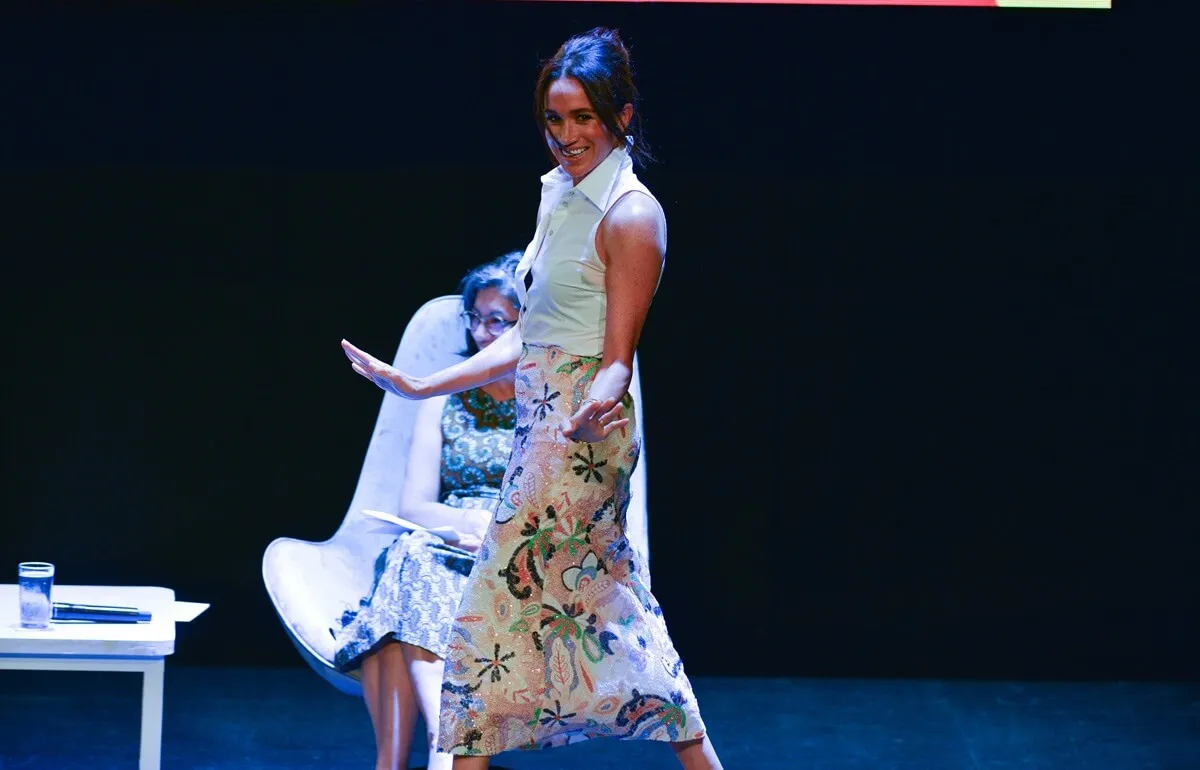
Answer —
557 639
419 579
477 438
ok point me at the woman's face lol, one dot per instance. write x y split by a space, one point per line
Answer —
490 316
575 134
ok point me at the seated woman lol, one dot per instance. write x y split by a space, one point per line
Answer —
396 642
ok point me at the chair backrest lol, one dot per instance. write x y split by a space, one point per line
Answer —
433 340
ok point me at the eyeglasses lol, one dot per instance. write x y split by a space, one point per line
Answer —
494 324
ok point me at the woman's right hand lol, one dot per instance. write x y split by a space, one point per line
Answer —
387 377
473 529
468 542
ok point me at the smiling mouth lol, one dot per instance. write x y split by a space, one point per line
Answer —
573 153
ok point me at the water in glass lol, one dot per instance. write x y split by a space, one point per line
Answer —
34 581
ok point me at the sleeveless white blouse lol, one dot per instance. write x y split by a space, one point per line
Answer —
565 306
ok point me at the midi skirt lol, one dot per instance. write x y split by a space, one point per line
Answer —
557 638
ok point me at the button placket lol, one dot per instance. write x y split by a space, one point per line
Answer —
556 219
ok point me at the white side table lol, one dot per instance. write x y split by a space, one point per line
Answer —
135 647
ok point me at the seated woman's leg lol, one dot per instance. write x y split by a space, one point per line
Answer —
697 755
392 704
425 671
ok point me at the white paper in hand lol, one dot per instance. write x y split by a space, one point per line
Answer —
400 526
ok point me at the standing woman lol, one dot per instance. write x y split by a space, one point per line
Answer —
557 638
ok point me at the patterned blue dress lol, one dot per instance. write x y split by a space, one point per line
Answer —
419 579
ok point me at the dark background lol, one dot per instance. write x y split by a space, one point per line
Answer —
919 382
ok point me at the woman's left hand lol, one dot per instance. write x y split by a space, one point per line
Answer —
594 420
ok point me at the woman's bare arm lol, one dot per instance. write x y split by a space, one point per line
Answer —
632 240
488 365
423 478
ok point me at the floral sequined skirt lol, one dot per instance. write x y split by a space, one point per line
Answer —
557 638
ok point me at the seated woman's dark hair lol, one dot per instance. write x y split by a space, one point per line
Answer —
498 274
600 62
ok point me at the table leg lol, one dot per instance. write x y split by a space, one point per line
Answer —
152 706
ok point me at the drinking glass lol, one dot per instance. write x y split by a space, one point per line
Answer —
35 579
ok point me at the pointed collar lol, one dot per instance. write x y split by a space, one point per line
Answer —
598 185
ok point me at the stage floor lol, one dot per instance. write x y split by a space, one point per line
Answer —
273 718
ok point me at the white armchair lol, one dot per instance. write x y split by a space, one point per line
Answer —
312 584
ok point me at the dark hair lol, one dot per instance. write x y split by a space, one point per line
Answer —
600 62
500 274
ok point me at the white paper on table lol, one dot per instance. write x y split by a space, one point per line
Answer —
399 526
185 612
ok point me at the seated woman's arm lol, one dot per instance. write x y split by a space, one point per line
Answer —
423 481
